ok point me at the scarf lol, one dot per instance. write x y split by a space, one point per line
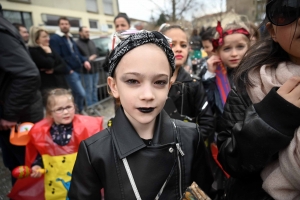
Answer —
281 178
222 82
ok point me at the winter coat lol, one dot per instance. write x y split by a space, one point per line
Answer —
49 61
87 48
189 98
72 57
99 161
20 98
251 137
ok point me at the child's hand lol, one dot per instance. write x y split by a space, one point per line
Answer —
36 173
290 91
212 63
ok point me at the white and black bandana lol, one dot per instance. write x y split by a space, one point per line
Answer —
138 39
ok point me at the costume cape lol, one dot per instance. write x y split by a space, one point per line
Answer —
58 160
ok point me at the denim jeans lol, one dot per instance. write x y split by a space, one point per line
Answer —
90 82
78 91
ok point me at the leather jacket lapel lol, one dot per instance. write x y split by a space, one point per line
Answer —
127 140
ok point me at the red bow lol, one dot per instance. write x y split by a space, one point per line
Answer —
219 42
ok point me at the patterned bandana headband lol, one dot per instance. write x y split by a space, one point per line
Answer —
136 39
220 41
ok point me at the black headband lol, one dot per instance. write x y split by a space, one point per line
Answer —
138 39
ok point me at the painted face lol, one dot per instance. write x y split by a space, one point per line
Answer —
207 47
64 26
233 49
24 33
142 83
179 45
43 39
63 110
288 37
121 24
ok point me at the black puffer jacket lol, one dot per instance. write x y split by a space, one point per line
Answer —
99 161
190 100
20 99
251 137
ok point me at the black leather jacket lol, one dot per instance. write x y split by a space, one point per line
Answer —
99 161
189 97
251 137
20 99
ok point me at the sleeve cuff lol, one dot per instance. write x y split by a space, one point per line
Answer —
278 113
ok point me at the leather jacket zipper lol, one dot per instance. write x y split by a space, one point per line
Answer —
182 97
179 151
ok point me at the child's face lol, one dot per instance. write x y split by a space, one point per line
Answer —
233 49
63 109
179 45
288 38
142 83
207 47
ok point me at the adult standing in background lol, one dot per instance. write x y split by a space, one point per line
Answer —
52 68
23 31
63 44
20 98
90 77
139 25
122 23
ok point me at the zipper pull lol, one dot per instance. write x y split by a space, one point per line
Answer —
179 149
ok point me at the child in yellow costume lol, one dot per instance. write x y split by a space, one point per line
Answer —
53 145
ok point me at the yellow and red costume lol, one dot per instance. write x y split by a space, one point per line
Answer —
58 160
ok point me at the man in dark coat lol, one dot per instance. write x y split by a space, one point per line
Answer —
20 99
90 77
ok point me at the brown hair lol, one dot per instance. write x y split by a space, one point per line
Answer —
62 18
50 98
264 52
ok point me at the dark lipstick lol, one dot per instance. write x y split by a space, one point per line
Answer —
146 110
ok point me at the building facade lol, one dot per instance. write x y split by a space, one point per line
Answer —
253 9
98 15
211 20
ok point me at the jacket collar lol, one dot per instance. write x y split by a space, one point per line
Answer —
183 76
61 34
127 140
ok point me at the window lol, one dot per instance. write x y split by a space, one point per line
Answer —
91 5
18 17
93 24
108 7
110 26
22 1
52 20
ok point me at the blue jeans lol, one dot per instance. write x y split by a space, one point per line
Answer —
78 91
90 82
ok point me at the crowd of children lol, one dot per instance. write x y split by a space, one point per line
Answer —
232 126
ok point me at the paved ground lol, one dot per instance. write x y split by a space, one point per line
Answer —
106 110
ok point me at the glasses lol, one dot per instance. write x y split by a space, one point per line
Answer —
282 13
61 110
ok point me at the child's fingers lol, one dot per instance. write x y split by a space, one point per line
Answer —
289 85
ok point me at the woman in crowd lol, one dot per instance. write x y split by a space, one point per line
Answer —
52 68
